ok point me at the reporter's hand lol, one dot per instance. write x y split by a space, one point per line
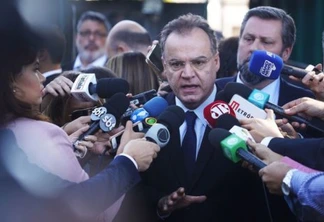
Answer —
85 144
76 124
142 151
177 200
305 107
261 128
59 86
263 152
273 174
287 130
128 135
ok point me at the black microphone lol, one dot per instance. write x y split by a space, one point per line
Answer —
260 99
107 120
86 87
234 148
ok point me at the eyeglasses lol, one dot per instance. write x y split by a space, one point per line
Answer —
96 34
197 64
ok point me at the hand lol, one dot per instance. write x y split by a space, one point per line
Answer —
286 129
76 124
273 174
261 128
162 86
315 82
305 107
85 144
128 135
59 86
263 152
142 151
177 200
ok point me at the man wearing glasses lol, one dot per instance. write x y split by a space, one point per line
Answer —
92 30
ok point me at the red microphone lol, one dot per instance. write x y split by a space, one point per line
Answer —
214 110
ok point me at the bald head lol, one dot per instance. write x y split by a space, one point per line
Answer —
127 36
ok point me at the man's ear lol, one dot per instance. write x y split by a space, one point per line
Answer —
286 53
42 55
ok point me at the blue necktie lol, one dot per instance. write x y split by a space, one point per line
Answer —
189 143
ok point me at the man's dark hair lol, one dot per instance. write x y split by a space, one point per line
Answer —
186 23
133 39
53 40
288 32
94 16
227 54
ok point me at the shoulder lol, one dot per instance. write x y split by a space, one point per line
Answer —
221 82
296 91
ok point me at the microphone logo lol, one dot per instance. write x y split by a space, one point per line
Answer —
235 105
107 122
232 141
219 109
163 135
267 68
81 82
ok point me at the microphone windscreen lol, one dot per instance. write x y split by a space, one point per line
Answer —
266 64
221 96
117 105
216 135
109 86
173 117
155 106
227 121
233 88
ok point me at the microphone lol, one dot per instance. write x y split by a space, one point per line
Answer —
152 108
270 65
159 134
144 117
108 119
86 87
172 117
215 110
260 99
234 148
143 97
232 124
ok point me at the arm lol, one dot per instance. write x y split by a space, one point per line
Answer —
309 191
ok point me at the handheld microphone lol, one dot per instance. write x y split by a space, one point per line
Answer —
144 117
159 134
86 87
261 99
234 148
214 110
143 97
270 65
232 124
115 107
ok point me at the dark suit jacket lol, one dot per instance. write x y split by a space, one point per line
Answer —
309 152
93 196
233 193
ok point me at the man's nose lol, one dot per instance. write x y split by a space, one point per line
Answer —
188 70
256 45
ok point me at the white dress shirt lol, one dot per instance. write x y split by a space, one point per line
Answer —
201 122
52 72
272 89
98 62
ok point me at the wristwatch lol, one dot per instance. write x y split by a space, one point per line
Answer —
286 182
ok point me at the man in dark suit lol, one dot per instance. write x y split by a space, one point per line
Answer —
51 51
273 30
202 185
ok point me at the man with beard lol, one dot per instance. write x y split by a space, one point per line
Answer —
92 30
271 29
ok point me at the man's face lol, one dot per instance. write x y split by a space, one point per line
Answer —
259 34
90 40
190 66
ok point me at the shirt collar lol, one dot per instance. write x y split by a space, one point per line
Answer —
52 72
199 111
98 62
272 89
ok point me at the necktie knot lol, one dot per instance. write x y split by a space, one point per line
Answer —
190 118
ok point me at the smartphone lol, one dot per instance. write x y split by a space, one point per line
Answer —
153 59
